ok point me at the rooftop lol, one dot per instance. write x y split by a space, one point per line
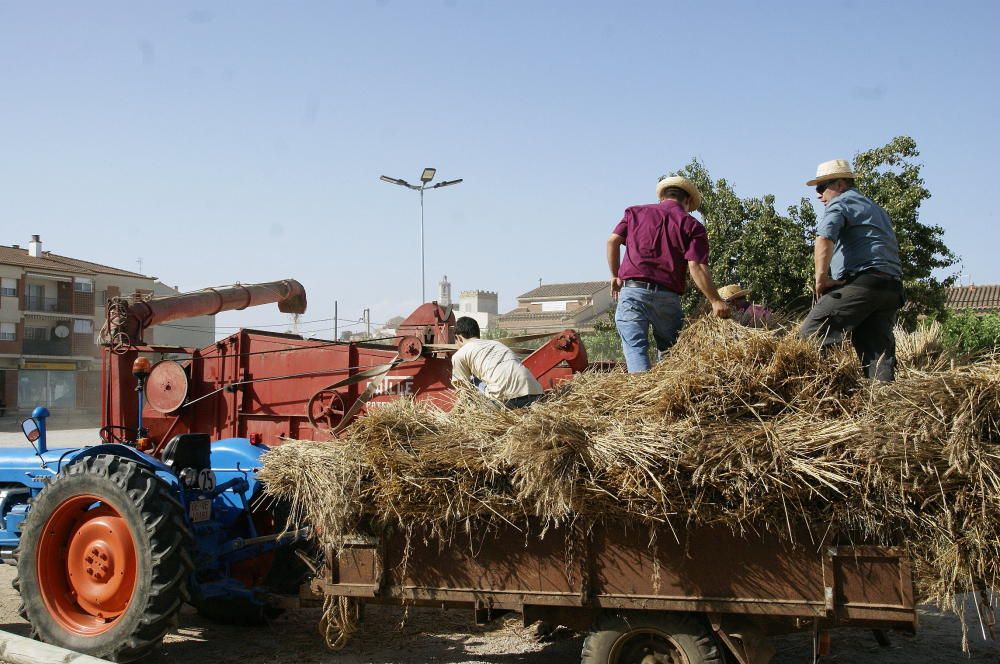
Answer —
578 314
974 298
577 289
49 261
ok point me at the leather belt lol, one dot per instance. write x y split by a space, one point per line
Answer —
646 285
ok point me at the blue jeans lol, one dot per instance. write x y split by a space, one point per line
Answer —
637 310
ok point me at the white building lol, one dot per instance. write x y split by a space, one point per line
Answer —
480 305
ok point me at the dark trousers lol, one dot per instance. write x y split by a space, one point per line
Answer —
522 402
866 308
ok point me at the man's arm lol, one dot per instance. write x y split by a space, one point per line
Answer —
459 369
615 243
822 255
703 280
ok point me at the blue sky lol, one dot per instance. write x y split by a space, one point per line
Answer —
244 140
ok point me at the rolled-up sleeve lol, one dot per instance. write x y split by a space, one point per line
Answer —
832 222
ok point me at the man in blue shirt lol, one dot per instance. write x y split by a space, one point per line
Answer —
858 273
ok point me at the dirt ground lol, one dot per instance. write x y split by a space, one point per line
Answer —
449 637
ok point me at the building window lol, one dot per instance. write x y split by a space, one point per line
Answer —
102 298
36 334
8 332
559 305
83 286
8 287
83 326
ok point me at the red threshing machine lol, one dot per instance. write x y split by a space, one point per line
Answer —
267 386
701 596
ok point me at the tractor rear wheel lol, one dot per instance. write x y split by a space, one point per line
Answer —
103 565
650 638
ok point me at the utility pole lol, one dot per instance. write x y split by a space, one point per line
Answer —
335 336
368 321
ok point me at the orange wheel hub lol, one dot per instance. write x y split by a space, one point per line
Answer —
86 565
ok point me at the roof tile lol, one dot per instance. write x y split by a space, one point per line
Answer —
576 289
49 261
974 298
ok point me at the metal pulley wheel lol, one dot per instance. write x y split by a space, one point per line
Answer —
167 386
325 409
410 347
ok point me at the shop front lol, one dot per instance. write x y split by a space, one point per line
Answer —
49 384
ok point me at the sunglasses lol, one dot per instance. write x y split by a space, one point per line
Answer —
823 186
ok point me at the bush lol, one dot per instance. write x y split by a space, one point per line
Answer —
971 333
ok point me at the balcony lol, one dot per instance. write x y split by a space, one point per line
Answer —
62 347
45 304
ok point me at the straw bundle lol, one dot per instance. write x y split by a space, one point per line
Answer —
748 428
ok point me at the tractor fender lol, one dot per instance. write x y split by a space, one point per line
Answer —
151 462
237 457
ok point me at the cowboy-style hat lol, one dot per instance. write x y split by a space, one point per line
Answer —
680 183
733 291
832 170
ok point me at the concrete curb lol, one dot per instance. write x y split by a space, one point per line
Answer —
20 650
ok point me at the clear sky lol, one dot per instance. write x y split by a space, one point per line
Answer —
244 140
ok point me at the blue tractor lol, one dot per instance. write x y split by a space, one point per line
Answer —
110 541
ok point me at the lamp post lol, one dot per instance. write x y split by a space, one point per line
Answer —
425 179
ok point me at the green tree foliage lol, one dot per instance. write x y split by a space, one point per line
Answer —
972 334
604 344
753 244
890 175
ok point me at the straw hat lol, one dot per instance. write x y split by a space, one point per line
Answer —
733 291
832 170
680 183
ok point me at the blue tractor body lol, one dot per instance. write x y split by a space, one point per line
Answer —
229 534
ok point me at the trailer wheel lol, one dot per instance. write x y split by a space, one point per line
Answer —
102 568
650 638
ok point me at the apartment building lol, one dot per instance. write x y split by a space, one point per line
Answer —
51 311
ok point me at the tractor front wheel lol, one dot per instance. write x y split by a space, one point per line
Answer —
102 566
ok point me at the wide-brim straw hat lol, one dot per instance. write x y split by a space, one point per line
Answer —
832 170
680 183
733 291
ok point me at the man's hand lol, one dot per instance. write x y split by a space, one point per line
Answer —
720 309
616 287
824 283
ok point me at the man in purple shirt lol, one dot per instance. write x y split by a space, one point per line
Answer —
663 242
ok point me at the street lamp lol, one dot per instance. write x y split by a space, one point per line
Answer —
425 179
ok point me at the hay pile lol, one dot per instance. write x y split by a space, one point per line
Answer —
748 428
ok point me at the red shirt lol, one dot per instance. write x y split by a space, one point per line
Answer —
660 239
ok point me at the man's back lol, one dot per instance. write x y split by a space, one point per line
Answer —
497 366
660 239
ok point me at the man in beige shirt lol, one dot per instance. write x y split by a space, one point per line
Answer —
496 367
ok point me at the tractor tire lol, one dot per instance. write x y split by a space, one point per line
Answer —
643 637
103 565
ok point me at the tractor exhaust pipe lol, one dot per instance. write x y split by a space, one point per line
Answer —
131 319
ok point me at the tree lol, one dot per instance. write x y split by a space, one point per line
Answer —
890 176
753 245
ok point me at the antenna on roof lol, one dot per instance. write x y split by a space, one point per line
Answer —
139 261
539 282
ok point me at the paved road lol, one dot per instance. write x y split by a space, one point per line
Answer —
57 438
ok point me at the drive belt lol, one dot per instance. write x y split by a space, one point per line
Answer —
375 374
